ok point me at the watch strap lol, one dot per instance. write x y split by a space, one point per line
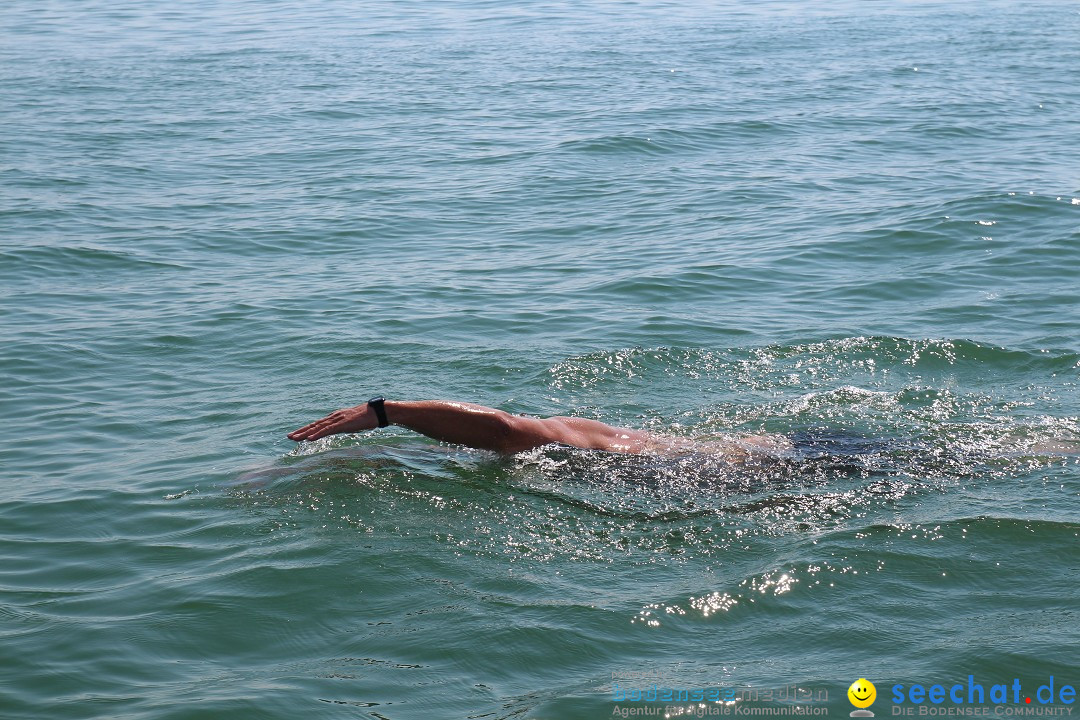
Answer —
377 404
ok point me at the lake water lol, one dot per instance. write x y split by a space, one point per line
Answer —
219 221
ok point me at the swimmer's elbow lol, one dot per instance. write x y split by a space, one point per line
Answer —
519 433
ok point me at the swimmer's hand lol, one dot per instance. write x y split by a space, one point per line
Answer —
346 420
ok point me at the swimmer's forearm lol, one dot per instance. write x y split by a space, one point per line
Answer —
454 422
461 423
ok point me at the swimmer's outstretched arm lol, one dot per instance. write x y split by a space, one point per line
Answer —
480 427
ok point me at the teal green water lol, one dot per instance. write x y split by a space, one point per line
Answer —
220 221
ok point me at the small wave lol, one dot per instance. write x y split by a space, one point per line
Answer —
931 353
615 145
806 365
47 262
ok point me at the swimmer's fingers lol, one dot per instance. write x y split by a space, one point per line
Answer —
352 419
309 431
328 425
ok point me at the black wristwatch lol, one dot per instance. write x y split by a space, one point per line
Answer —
377 404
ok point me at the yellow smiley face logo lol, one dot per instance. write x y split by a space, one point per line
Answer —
862 693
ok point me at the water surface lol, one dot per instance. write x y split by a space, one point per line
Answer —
221 221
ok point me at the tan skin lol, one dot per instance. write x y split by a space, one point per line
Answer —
486 428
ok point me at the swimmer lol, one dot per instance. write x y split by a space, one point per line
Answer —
486 428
